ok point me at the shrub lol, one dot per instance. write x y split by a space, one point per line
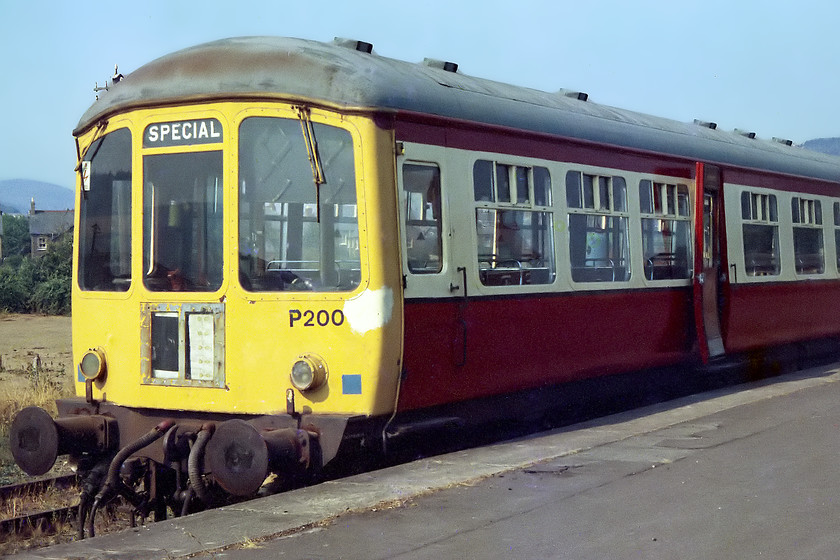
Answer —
52 296
16 240
41 285
13 294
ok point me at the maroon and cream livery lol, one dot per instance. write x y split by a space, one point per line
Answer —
288 251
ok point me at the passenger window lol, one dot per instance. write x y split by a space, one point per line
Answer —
666 230
808 249
761 234
483 181
424 248
542 186
599 248
573 190
513 224
503 183
588 191
522 191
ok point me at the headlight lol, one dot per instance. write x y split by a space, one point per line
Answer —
309 373
92 365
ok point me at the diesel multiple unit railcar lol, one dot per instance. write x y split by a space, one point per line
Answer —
285 249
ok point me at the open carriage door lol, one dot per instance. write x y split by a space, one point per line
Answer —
707 261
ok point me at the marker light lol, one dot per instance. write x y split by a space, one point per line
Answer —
309 373
92 365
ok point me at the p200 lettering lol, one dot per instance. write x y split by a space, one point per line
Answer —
321 318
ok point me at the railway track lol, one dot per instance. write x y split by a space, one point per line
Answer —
38 523
43 521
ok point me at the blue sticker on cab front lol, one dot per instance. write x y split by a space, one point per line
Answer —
351 384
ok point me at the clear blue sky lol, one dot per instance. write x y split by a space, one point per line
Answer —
770 66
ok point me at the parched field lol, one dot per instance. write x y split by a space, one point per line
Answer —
23 337
35 369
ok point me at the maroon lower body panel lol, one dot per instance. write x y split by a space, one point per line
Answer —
457 350
761 315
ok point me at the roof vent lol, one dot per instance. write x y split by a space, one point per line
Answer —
784 141
707 124
360 46
745 133
442 64
579 95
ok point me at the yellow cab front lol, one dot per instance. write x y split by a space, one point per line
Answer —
229 252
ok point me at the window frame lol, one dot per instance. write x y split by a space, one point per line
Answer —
807 221
760 209
585 201
411 225
836 206
99 279
156 234
673 207
276 278
509 207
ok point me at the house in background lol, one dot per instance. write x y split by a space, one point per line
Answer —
47 227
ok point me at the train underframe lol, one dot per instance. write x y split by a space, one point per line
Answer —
165 463
178 461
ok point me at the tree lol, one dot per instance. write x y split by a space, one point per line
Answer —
41 285
13 295
15 235
52 277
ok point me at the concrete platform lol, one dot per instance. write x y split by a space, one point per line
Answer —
748 471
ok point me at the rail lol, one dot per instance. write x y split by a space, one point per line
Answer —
44 521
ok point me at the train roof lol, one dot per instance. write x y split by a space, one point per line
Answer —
350 75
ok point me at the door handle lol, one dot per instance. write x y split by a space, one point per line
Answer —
455 287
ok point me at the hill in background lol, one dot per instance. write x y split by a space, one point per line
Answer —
824 145
15 195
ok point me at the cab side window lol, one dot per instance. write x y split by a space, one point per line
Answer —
104 252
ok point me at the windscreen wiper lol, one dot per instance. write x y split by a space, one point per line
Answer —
314 158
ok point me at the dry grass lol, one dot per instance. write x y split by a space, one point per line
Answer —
35 502
19 390
35 369
32 390
19 543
